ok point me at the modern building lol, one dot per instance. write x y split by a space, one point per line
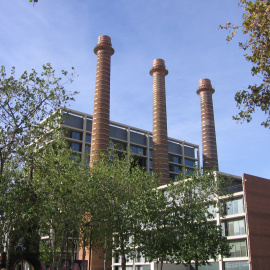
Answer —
182 154
247 220
246 223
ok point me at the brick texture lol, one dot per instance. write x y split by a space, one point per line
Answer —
209 145
160 137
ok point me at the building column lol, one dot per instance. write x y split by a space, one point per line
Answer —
160 137
209 145
101 116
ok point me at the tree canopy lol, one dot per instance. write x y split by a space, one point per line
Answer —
173 223
183 230
24 103
120 194
256 27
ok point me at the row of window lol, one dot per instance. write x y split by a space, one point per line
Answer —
137 267
77 135
238 249
239 265
123 146
232 207
136 150
233 227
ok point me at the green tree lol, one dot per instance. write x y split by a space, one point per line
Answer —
62 188
181 228
256 26
120 194
155 243
197 238
24 102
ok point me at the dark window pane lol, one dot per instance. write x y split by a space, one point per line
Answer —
235 207
138 150
88 138
75 146
189 162
74 135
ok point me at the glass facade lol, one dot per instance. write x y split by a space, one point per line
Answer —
235 207
190 163
242 265
74 135
118 145
189 171
233 227
88 138
87 149
174 159
211 266
174 168
138 150
75 146
137 267
238 248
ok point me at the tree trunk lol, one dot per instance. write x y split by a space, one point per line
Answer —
72 254
66 252
83 258
161 264
54 249
62 249
124 262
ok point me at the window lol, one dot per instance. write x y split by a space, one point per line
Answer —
233 227
150 153
238 248
75 146
174 168
74 135
76 157
190 163
211 266
88 138
175 159
242 265
140 161
151 163
87 149
138 150
234 207
189 171
118 145
174 177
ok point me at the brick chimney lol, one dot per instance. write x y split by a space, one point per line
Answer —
101 115
210 157
160 138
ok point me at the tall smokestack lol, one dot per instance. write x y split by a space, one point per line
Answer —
160 138
210 157
101 115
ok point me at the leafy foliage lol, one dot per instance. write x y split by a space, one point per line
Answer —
256 25
62 189
198 239
181 230
24 102
120 194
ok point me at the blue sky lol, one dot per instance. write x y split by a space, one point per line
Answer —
183 33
